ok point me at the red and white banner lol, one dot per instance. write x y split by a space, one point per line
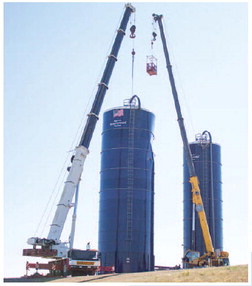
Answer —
118 113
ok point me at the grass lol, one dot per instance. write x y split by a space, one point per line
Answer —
238 273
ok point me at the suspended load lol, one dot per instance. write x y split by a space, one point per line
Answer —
151 65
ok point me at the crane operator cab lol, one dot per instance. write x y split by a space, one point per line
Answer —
84 262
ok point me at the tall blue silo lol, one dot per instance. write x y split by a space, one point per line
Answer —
207 161
127 189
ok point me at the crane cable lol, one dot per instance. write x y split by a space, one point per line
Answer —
154 34
132 72
132 36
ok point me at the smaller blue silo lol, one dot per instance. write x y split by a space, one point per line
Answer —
207 162
126 214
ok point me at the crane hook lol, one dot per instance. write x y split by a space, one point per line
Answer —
154 36
132 30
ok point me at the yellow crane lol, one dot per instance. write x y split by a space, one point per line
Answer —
192 258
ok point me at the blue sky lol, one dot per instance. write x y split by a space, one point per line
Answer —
54 55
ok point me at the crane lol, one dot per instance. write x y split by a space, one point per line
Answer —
192 258
52 247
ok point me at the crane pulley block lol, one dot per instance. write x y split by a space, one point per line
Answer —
132 31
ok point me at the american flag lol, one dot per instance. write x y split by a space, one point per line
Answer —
118 113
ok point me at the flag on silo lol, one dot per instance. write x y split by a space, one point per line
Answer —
118 113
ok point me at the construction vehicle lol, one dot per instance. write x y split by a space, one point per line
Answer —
66 259
191 257
77 263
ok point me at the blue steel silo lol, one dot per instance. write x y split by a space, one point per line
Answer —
127 189
207 161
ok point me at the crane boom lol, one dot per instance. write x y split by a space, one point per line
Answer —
192 258
103 85
196 196
81 151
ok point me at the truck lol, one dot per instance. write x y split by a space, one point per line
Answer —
77 263
66 259
192 257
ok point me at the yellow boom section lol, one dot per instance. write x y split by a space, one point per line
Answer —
197 200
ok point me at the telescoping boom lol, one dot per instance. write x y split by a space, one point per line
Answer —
192 258
82 150
52 247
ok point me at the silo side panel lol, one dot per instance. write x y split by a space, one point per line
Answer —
212 198
126 193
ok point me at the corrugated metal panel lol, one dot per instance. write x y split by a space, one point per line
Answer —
127 192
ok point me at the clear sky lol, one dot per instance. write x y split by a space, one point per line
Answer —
54 55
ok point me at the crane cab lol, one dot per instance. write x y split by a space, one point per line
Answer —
151 65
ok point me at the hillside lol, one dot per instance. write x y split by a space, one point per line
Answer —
237 273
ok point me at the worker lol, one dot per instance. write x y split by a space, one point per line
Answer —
37 266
